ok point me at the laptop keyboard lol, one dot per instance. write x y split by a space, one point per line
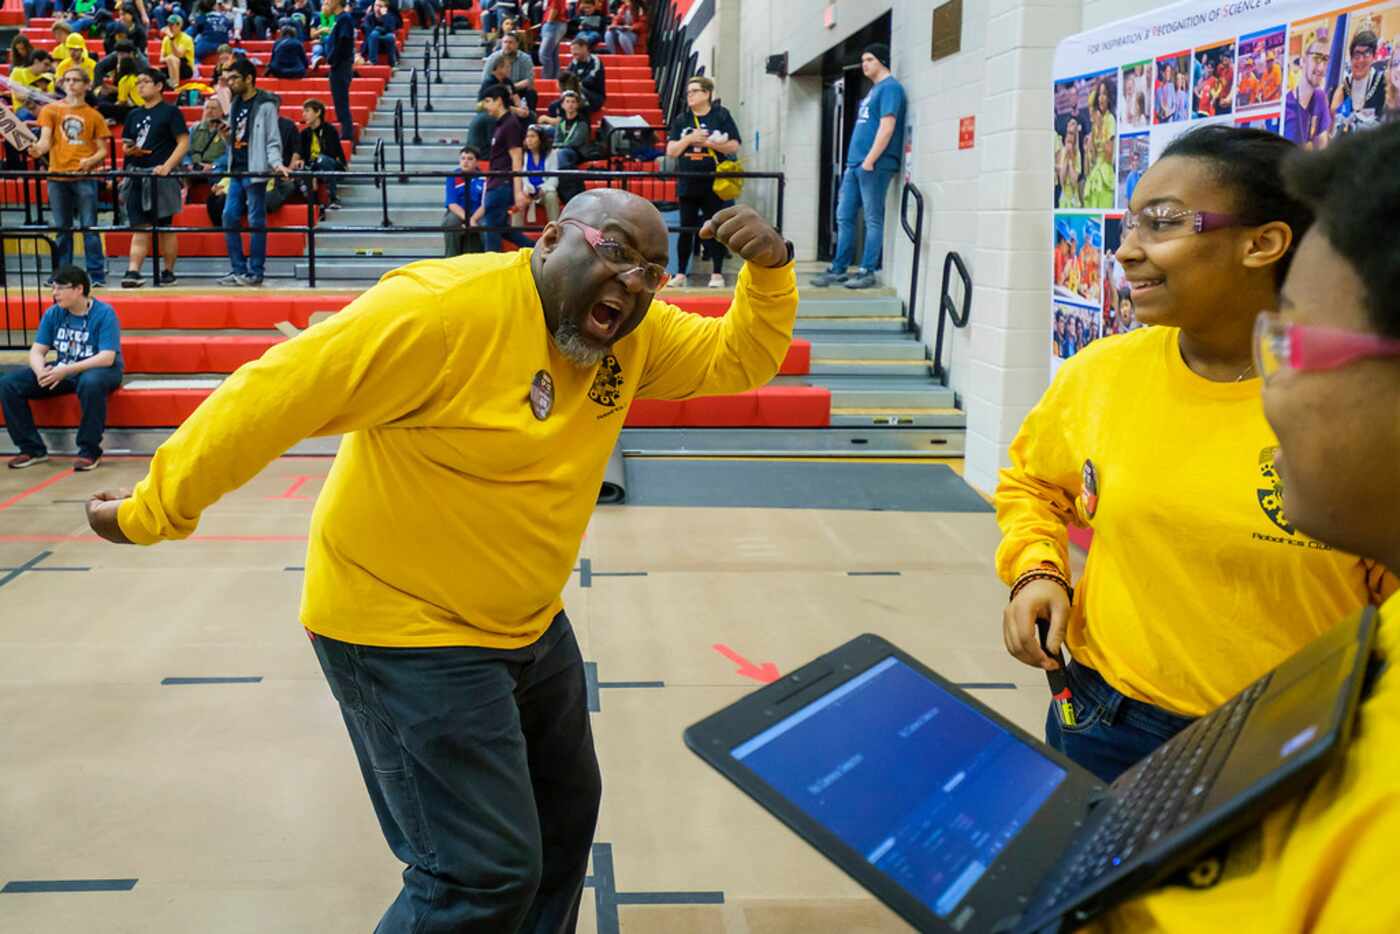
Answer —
1160 794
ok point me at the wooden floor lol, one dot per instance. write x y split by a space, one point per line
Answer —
238 807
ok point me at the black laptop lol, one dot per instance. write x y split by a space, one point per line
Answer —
960 821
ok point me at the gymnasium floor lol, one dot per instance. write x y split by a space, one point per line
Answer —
236 806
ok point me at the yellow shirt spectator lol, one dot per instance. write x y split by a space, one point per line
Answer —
1196 581
24 77
181 46
452 514
1324 862
86 63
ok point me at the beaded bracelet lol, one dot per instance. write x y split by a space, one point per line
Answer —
1038 575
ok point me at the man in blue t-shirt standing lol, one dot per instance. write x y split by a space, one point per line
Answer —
85 333
872 159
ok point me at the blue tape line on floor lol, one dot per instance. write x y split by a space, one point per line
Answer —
986 685
631 684
873 573
31 566
608 898
255 679
670 898
68 885
590 679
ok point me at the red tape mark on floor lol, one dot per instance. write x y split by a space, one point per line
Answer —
35 489
298 482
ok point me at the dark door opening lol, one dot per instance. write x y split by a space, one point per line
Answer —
843 87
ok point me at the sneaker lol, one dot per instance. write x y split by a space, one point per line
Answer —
315 60
167 277
678 282
100 283
863 279
87 463
48 283
132 280
334 205
232 278
828 278
27 460
251 282
716 280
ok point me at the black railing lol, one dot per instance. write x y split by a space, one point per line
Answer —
413 102
948 309
399 139
916 236
22 288
316 232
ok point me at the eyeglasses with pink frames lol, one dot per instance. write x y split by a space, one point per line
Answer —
1279 345
1158 224
625 260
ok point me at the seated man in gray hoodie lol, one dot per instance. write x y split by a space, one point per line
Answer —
255 148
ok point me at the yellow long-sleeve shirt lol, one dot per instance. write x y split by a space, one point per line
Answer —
1196 583
1323 862
451 515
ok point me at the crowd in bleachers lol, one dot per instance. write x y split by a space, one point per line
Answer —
297 53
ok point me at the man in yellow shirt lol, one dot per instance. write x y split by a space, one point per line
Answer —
177 51
1330 360
37 74
480 398
75 56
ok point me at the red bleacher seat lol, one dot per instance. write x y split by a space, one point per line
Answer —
212 244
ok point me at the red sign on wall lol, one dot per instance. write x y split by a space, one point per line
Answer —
967 131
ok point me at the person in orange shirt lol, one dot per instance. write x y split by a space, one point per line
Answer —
1249 84
73 135
1272 83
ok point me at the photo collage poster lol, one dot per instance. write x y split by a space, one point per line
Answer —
1310 70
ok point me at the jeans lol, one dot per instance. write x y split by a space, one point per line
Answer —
694 212
92 386
1112 732
33 8
457 238
250 196
481 770
550 34
861 189
80 197
203 47
377 40
620 41
498 201
324 163
340 76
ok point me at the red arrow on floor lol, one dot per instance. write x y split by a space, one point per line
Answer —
767 672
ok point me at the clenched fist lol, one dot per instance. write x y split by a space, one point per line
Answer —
743 231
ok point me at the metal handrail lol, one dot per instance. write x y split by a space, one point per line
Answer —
427 70
916 236
398 138
381 165
413 101
947 309
441 52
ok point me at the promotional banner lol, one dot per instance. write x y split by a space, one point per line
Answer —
14 131
1308 69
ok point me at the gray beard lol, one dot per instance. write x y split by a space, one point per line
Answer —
572 347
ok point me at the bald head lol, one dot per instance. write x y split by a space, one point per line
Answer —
632 214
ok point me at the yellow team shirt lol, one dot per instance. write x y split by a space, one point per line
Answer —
23 77
451 515
87 63
127 94
1197 583
183 46
1323 862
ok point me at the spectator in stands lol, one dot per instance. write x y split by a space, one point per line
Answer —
20 51
571 130
74 135
588 68
320 32
118 97
461 199
872 160
621 39
589 23
483 125
521 77
555 25
128 23
60 30
494 14
155 140
208 152
340 57
255 140
212 28
319 148
75 56
89 15
40 8
257 21
539 189
300 15
21 79
103 74
701 138
507 155
177 51
86 335
380 26
288 56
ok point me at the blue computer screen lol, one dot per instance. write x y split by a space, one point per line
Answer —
928 789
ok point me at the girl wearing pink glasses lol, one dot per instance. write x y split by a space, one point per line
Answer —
1198 580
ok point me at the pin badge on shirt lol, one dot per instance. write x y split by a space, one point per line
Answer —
1090 495
542 395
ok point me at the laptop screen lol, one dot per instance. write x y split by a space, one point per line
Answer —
926 787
